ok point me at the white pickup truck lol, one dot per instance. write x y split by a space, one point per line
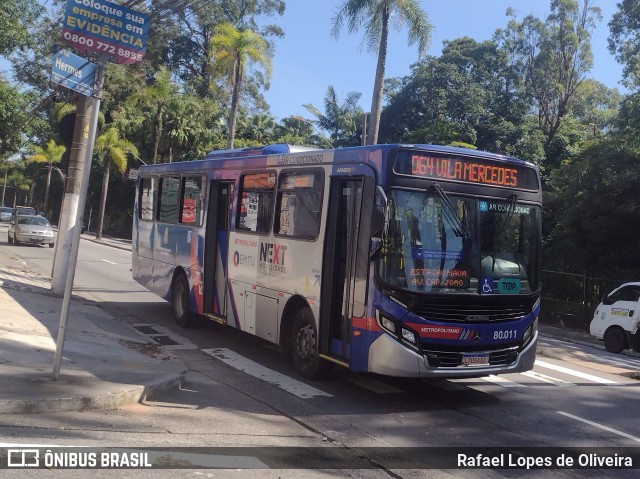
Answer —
616 319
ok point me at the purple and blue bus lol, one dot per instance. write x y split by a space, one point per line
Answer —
401 260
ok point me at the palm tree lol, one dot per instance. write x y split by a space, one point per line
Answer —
159 94
111 150
375 15
50 154
231 51
18 182
340 120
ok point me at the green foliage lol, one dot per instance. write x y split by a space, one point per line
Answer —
16 16
341 120
591 212
375 16
231 53
624 41
12 119
51 153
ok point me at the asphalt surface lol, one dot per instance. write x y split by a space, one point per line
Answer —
106 363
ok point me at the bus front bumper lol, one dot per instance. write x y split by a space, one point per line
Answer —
387 356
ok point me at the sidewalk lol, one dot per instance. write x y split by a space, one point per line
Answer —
105 363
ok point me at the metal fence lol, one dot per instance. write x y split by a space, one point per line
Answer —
575 294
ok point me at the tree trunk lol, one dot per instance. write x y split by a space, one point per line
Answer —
156 140
378 85
235 99
103 195
46 193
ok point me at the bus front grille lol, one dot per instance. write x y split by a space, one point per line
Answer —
470 313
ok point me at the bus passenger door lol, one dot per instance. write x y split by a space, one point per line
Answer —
339 291
216 250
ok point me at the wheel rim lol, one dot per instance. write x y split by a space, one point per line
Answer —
305 343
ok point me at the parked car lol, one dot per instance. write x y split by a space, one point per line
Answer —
616 319
31 229
5 213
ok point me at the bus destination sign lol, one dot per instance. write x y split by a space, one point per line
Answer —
106 28
468 170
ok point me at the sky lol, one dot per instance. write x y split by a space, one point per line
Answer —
308 60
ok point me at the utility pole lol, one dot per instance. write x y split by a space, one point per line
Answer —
75 197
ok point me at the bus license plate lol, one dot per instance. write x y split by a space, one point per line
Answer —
475 359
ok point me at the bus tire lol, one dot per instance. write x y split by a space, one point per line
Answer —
304 347
615 339
180 300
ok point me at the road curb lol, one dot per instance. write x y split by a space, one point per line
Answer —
131 395
109 244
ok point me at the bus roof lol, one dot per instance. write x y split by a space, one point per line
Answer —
340 154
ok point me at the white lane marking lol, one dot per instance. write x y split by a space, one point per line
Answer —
256 370
600 426
547 379
503 382
572 372
107 261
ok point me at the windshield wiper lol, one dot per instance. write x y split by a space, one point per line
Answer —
512 201
450 214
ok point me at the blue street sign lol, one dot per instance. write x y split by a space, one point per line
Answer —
73 72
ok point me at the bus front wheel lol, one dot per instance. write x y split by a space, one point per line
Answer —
615 340
180 300
304 347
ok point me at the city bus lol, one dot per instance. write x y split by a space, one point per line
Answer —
401 260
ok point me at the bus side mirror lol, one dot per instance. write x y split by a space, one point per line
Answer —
381 213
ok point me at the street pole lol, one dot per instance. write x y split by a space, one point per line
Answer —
4 187
77 196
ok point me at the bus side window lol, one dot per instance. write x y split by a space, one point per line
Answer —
192 197
145 201
299 204
167 211
256 202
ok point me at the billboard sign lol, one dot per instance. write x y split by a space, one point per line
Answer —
106 28
73 72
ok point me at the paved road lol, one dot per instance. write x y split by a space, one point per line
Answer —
241 392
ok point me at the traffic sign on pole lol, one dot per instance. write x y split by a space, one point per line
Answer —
73 72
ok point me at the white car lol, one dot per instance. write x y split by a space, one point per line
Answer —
30 229
616 319
5 213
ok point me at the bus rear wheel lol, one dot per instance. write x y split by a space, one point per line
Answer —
304 347
180 300
615 340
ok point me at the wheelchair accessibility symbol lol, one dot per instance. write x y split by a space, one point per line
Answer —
487 285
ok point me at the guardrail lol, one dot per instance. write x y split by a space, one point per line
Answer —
574 294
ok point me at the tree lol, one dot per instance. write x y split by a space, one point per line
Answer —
112 151
340 120
50 154
376 15
624 41
13 116
19 183
556 55
594 212
16 17
232 51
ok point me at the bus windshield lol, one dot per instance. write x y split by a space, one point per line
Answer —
440 243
